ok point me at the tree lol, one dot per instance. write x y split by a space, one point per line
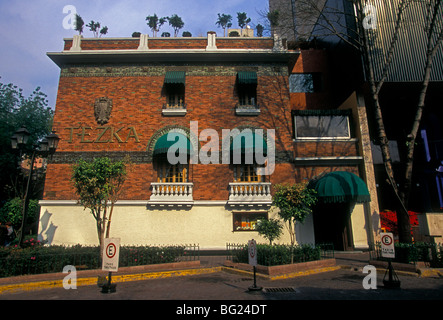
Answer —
176 23
155 23
186 34
18 111
271 229
224 21
103 31
316 19
294 203
242 19
94 27
79 23
98 184
260 30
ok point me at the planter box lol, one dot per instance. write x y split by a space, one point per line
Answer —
283 269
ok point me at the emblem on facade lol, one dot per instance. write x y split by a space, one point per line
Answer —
102 110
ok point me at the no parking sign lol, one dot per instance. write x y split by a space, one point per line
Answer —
111 254
387 245
252 252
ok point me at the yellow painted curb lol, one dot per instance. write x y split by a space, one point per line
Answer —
33 286
283 276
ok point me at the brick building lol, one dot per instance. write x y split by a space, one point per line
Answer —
123 96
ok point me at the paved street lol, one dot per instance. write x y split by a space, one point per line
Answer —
222 294
342 284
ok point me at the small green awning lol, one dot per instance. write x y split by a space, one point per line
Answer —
248 142
175 77
178 141
340 186
247 77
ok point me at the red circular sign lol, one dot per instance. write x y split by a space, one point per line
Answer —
111 250
386 240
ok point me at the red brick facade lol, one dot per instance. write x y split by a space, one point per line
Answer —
138 96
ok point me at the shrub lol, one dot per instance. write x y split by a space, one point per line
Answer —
271 255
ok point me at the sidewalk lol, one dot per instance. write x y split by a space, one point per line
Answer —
206 265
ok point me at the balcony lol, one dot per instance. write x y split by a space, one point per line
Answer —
247 110
171 194
178 109
250 194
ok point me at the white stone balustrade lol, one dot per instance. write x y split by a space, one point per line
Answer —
244 192
171 191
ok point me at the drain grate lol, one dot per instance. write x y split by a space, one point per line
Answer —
279 290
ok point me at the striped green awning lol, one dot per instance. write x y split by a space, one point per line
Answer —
175 77
341 186
177 140
247 77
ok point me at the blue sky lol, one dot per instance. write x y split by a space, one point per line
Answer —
31 28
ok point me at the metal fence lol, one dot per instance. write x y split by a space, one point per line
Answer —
430 253
269 255
15 262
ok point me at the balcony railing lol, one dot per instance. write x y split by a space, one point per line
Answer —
247 110
171 193
249 192
178 109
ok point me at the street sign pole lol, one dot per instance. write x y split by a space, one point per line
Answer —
388 251
252 253
111 253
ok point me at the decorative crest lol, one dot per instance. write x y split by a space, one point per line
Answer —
102 110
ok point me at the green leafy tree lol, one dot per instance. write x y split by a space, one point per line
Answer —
79 24
260 30
103 31
155 23
271 229
98 184
12 212
94 27
294 203
18 111
224 21
242 19
176 23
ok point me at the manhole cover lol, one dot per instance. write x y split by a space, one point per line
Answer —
279 290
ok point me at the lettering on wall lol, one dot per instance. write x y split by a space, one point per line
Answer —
105 134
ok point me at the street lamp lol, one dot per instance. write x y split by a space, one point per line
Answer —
46 147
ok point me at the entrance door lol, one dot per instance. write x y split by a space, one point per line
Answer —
332 224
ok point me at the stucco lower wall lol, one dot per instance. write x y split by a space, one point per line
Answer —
210 226
359 227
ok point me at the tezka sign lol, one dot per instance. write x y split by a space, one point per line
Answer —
111 253
387 245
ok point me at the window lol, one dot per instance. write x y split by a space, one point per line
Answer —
247 88
175 89
327 124
247 221
247 95
175 96
305 82
172 173
246 173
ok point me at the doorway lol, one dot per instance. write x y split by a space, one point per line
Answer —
332 224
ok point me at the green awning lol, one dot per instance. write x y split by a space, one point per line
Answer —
247 77
248 142
175 77
179 141
340 186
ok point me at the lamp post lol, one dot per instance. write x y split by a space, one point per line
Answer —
19 141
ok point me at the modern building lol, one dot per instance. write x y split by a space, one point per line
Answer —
331 25
211 99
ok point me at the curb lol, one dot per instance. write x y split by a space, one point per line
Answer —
282 276
41 285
